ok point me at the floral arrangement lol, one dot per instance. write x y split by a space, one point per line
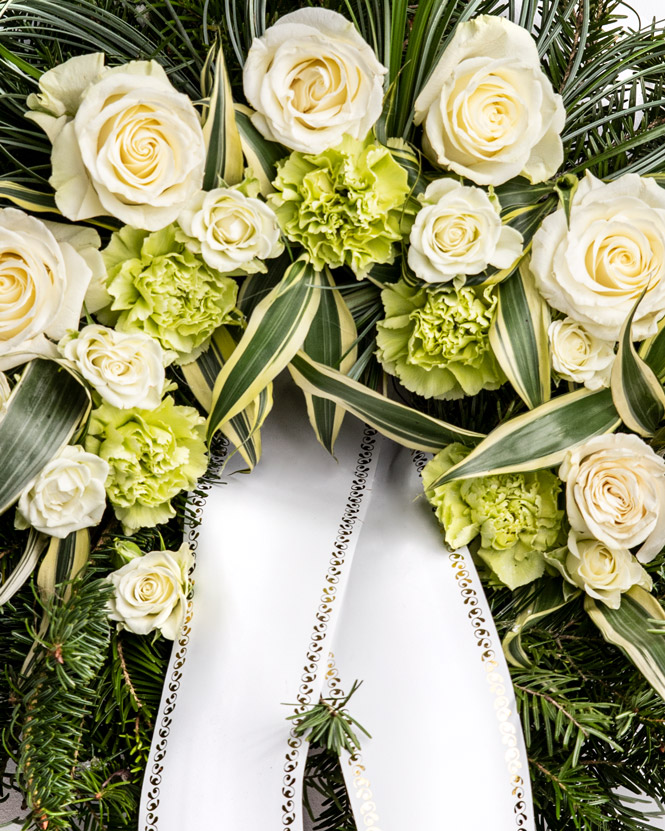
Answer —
445 219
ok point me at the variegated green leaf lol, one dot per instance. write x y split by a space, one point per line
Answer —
652 351
261 155
637 392
28 199
549 594
518 337
243 430
275 332
330 341
63 561
637 627
257 286
397 421
44 411
224 160
26 565
541 437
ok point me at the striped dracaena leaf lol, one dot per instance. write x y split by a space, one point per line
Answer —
275 332
638 394
637 627
518 337
34 548
331 341
652 351
28 199
397 421
261 155
44 411
224 159
540 438
63 561
243 430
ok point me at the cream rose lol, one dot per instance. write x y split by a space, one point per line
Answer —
231 231
615 492
126 369
43 283
312 79
125 142
579 356
602 572
595 268
67 495
489 111
150 592
458 232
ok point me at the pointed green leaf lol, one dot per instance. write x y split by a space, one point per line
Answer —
33 550
224 160
275 332
262 155
27 198
397 421
539 438
518 337
652 351
44 411
63 561
637 627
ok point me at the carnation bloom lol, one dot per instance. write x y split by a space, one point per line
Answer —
162 288
344 205
436 340
515 515
153 455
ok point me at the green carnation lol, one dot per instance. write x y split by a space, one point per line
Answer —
436 339
516 515
153 455
163 289
344 206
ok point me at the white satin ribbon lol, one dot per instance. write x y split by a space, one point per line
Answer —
278 587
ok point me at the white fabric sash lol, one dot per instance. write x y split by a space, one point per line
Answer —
309 556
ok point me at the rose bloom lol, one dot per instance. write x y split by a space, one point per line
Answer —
42 287
595 268
312 79
126 369
579 356
615 492
488 110
458 232
602 572
66 496
150 592
230 231
125 142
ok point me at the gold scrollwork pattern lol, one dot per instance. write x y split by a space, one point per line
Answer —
196 503
319 633
499 688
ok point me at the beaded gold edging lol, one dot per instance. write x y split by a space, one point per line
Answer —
196 503
319 632
495 681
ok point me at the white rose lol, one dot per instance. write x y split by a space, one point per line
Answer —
489 110
67 495
126 369
596 268
458 232
312 79
42 286
151 592
615 492
604 573
231 231
579 356
125 142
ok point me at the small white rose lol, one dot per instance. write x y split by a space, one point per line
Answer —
579 356
151 592
230 231
43 283
67 495
604 573
313 79
125 142
126 369
615 492
489 111
458 232
595 268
